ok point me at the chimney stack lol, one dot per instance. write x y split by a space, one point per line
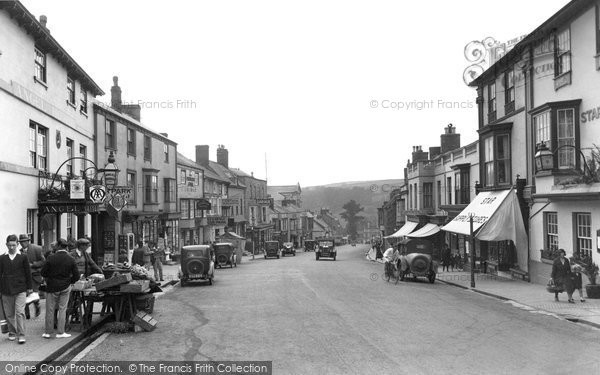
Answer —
44 22
202 155
115 95
223 156
419 155
450 140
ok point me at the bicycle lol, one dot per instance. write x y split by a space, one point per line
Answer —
391 271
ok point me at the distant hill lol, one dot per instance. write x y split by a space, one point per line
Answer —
369 194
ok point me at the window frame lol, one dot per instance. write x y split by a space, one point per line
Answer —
166 152
82 161
70 91
110 134
131 141
147 148
83 101
492 102
40 143
489 166
170 185
150 189
428 195
560 53
40 59
552 110
551 230
579 238
509 90
133 185
69 143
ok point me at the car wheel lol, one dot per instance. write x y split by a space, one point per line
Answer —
432 278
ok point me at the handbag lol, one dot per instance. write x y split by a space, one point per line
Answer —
551 287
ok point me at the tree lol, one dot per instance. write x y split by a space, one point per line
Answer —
352 218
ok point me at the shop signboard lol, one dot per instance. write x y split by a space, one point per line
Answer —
77 188
229 202
216 220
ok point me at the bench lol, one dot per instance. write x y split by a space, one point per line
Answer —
523 275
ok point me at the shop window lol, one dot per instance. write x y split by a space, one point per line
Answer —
583 232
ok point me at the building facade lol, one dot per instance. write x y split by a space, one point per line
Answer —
541 99
147 163
48 131
191 201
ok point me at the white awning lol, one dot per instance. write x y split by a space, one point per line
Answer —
406 229
428 230
496 217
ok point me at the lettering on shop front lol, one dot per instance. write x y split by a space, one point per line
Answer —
590 115
68 208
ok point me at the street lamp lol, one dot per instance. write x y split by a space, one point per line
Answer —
544 158
111 172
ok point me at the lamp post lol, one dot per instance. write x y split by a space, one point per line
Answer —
544 158
472 246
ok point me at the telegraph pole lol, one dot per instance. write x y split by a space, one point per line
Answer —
472 246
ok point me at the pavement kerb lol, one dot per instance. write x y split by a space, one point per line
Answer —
502 298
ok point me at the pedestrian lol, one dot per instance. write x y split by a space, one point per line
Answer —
36 259
83 258
60 272
576 282
138 254
15 286
446 258
147 256
158 256
561 272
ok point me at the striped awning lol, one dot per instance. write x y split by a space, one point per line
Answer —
428 230
405 230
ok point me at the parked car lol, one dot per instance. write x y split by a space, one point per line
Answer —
272 249
416 259
288 248
225 255
309 245
325 249
197 263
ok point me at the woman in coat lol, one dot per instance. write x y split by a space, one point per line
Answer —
561 274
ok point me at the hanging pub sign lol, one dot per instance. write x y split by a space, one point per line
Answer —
118 201
98 193
77 187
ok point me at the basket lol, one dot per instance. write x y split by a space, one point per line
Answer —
552 288
145 303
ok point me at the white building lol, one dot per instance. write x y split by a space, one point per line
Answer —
46 119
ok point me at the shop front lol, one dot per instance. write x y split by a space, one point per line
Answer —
501 242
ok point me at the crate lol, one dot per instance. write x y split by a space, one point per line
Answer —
81 285
145 303
116 280
136 286
145 320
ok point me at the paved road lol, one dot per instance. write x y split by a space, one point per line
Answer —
339 317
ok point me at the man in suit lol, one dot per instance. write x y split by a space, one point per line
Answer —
36 261
15 286
60 272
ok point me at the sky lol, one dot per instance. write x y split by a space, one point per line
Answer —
311 92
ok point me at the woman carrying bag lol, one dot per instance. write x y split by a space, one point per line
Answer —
561 275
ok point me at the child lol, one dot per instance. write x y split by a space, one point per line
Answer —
577 284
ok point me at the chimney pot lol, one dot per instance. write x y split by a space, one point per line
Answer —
44 21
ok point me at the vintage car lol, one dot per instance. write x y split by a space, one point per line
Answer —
309 245
272 249
225 255
325 249
196 264
288 248
416 259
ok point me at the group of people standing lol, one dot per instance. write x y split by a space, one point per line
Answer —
24 270
150 257
450 261
566 277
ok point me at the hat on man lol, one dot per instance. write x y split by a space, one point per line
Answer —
83 241
61 243
24 237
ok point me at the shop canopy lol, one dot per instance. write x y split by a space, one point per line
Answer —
428 230
496 217
406 229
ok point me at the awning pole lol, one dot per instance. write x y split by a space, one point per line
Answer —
472 246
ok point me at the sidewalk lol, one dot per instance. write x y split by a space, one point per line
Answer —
532 297
37 349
